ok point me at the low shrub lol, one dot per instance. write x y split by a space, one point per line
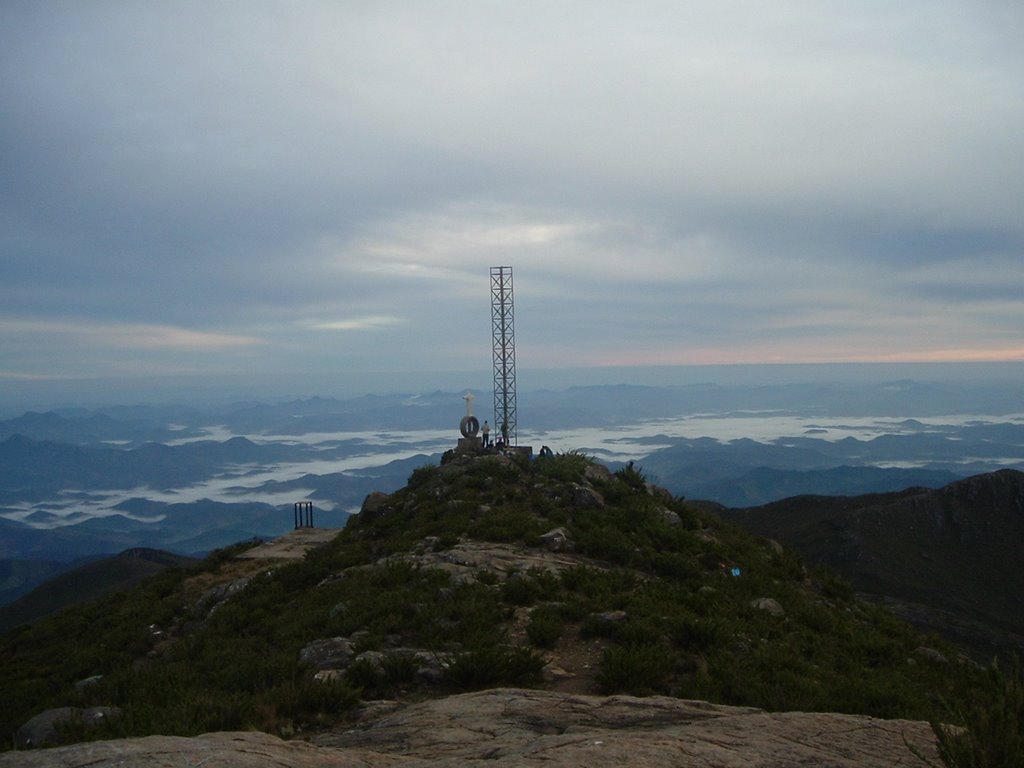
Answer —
544 629
364 675
565 467
635 669
398 668
992 735
488 665
697 633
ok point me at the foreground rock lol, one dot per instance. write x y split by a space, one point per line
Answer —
511 727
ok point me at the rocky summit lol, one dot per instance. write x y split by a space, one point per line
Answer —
513 727
496 607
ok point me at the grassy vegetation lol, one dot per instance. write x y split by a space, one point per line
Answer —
688 627
992 735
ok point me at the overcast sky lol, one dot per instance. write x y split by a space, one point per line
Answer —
241 189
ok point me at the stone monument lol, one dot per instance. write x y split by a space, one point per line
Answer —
469 427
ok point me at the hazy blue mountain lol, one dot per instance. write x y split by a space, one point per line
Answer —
704 461
31 470
764 485
94 429
744 472
348 489
190 528
540 409
35 470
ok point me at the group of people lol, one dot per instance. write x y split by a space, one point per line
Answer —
501 442
485 432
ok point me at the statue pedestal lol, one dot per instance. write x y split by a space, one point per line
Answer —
470 445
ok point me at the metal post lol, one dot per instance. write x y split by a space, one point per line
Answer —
303 514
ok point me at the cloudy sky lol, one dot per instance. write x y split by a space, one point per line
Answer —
239 190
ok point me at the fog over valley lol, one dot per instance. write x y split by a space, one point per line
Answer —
136 466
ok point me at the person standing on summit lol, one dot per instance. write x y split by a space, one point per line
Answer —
486 431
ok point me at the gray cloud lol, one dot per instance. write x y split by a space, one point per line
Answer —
255 185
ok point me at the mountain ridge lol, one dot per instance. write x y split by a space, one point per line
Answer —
956 548
88 582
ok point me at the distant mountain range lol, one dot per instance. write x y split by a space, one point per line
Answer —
196 527
745 472
77 483
765 484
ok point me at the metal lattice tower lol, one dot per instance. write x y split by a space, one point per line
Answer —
504 348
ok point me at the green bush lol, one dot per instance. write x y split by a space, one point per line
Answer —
523 666
632 477
399 668
698 634
364 675
488 665
565 467
635 669
422 476
545 628
530 587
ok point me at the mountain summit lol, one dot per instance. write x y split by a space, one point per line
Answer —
482 573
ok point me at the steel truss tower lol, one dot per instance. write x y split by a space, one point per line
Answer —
504 348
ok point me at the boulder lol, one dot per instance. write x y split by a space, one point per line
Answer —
597 473
374 505
664 495
769 605
583 496
44 728
774 546
930 654
558 540
87 682
328 653
670 517
212 598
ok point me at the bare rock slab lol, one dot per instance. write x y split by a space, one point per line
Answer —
517 728
291 546
211 750
526 728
